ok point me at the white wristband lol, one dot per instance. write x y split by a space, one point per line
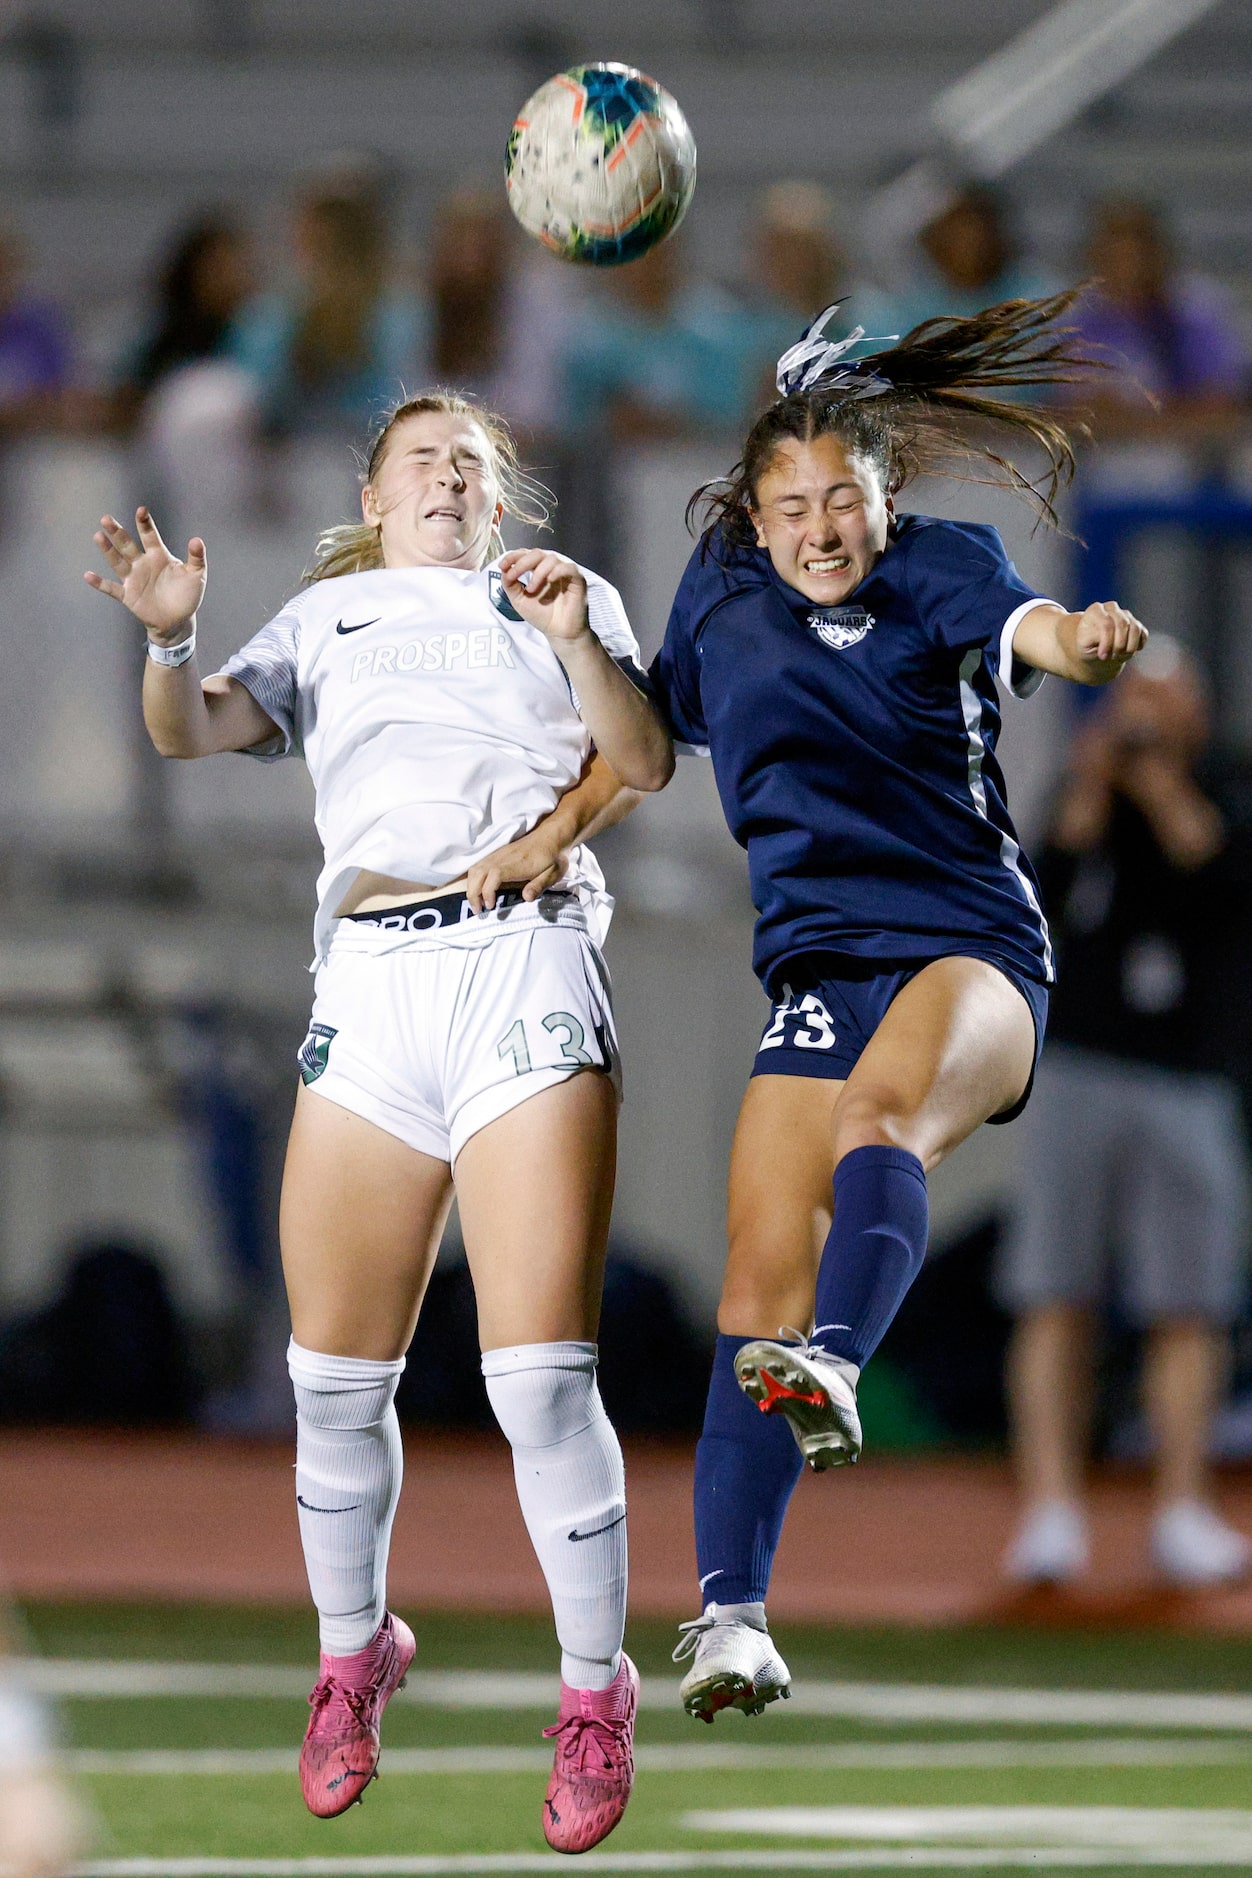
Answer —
172 656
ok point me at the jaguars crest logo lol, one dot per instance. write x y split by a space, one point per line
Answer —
841 626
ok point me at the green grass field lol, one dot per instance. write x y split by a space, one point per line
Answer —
140 1760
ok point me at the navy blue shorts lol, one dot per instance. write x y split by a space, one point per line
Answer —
829 1009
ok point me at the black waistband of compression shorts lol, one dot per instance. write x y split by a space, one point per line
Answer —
448 909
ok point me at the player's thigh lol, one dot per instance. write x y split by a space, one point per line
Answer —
779 1202
955 1046
535 1191
360 1222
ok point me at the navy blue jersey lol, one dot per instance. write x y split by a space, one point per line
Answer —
854 747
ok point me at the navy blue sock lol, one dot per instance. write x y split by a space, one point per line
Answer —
747 1465
873 1252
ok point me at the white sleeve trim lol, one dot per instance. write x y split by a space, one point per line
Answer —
268 667
1027 685
691 749
607 618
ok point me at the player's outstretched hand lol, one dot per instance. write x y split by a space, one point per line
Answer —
534 863
547 590
1106 637
161 591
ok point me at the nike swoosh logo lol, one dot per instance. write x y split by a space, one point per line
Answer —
575 1536
341 628
708 1575
310 1508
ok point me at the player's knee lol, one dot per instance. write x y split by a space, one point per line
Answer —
341 1392
754 1304
543 1394
873 1118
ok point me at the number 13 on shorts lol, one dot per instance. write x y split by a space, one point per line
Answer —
569 1035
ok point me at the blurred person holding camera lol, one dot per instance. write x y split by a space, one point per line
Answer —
1132 1176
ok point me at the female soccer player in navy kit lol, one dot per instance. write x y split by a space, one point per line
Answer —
838 662
461 1035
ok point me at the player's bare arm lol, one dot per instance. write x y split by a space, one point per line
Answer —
185 715
551 594
1090 647
537 860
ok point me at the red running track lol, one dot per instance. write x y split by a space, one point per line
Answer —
890 1541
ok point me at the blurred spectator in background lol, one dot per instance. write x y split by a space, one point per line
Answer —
331 353
967 259
655 356
499 321
468 279
795 268
35 355
109 1350
1177 364
1132 1165
203 282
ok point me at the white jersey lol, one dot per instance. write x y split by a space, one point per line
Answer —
436 724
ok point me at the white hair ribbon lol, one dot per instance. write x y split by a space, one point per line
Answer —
814 361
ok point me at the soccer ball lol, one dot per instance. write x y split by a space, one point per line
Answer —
601 164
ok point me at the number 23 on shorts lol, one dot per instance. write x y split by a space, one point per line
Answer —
812 1027
568 1031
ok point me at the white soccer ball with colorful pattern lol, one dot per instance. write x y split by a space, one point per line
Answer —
601 164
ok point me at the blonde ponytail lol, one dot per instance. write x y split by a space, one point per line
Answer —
349 548
356 547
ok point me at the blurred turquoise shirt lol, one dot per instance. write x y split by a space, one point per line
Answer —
681 365
349 402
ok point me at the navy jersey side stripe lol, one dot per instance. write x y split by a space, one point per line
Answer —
1010 853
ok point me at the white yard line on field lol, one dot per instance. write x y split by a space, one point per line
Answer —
1138 1832
470 1865
891 1702
684 1758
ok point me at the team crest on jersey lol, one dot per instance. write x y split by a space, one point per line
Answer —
314 1051
499 599
841 626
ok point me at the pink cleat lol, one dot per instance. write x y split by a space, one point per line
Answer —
340 1753
594 1768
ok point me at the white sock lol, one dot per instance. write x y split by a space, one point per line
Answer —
349 1463
572 1488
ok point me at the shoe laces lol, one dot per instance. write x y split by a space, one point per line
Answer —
808 1346
689 1642
330 1692
578 1737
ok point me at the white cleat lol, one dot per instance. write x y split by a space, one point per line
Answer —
815 1391
1192 1547
1050 1546
735 1666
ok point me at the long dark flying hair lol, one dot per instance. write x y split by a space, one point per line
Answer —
939 411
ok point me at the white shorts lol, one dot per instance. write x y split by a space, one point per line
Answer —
432 1036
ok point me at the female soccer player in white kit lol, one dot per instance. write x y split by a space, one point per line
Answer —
445 696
